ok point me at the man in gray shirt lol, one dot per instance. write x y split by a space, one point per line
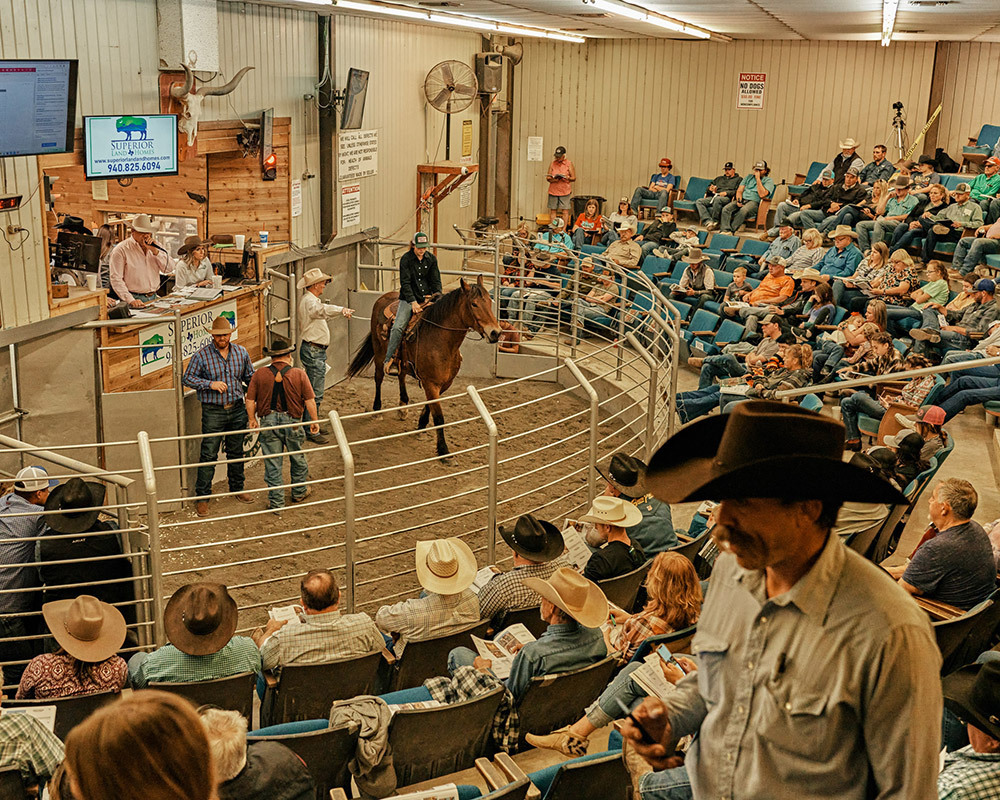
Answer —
817 674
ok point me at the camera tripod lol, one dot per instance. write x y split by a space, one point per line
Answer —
898 131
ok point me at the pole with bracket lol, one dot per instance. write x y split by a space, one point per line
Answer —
491 485
594 411
653 385
153 527
177 367
348 458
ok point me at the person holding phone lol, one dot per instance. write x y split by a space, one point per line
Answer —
135 264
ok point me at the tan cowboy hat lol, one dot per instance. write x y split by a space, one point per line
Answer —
143 224
694 256
445 566
221 325
847 144
568 590
613 511
192 243
812 274
200 618
842 230
86 628
311 277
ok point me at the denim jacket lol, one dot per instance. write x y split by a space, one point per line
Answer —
563 647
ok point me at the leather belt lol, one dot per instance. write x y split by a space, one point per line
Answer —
231 405
313 344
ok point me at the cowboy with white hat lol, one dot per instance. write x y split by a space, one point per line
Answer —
314 334
220 372
625 476
845 159
446 569
610 517
136 264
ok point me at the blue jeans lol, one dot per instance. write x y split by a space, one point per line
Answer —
642 193
950 340
604 710
965 391
460 657
721 365
696 403
710 208
852 407
524 304
215 420
734 215
971 252
784 210
314 363
667 784
812 218
932 240
848 215
403 314
956 356
273 443
825 359
896 314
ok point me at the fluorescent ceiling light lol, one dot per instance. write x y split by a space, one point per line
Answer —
889 9
654 18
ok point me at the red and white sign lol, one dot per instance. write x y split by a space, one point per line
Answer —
750 90
350 205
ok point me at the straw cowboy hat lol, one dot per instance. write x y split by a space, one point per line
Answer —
973 694
612 511
192 243
200 618
534 539
86 628
812 274
445 566
627 474
847 144
221 325
762 449
311 277
143 224
66 498
842 230
568 590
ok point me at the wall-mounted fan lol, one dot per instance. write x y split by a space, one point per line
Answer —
450 87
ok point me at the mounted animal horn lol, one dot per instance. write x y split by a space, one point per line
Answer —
215 91
178 91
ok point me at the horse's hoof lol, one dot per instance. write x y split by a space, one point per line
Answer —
446 458
402 412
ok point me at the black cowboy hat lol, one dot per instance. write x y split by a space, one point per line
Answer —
66 497
534 539
762 449
973 693
627 474
279 347
73 224
200 618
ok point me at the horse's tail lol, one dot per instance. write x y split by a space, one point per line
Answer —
362 358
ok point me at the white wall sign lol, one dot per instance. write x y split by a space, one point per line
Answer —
350 205
297 198
750 91
358 155
156 343
534 148
465 196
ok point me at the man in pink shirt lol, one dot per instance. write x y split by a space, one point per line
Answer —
970 253
561 177
136 264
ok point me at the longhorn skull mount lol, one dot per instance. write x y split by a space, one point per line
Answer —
191 99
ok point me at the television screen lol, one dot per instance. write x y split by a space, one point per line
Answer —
130 147
37 107
354 105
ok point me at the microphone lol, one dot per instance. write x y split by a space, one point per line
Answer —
154 244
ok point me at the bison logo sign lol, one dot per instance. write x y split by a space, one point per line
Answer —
130 125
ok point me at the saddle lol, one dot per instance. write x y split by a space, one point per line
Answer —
389 317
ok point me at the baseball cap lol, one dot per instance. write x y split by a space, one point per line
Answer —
932 415
993 161
560 150
963 187
760 165
767 320
666 210
853 171
985 285
420 238
776 260
623 200
728 165
826 175
666 162
558 222
33 479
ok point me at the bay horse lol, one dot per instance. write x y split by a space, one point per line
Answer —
431 352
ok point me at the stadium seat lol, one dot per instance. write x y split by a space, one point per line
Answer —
729 332
993 261
593 249
530 618
992 410
12 785
682 307
674 277
595 776
811 175
234 693
980 148
676 642
429 658
962 640
623 589
325 752
702 323
651 265
720 242
949 182
862 541
695 190
748 253
70 711
690 548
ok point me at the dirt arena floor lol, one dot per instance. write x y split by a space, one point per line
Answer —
448 499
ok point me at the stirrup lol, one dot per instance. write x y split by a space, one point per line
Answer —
392 368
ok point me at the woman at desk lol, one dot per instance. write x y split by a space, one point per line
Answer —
192 265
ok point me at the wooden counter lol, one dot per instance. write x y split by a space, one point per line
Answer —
137 370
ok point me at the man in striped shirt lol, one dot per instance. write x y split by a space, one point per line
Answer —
220 373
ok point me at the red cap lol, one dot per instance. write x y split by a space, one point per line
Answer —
932 415
992 161
665 162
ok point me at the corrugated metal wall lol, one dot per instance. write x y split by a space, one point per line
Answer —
615 127
971 95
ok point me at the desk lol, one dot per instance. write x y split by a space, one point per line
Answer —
133 370
80 297
228 254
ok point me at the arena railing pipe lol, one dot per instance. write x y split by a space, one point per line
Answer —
348 458
491 481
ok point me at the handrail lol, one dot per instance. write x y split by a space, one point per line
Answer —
68 463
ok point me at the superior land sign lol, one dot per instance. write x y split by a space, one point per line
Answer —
751 90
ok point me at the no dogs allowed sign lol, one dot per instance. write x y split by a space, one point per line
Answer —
750 92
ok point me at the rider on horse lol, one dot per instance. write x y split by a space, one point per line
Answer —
419 279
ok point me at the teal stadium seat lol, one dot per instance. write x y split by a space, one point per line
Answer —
696 188
813 173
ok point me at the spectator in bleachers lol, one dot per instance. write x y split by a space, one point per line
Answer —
774 290
897 209
754 188
793 373
846 194
446 569
697 283
971 251
21 522
976 386
985 186
792 691
27 744
554 244
737 291
956 565
933 337
843 258
149 746
894 284
973 772
912 394
725 364
674 604
679 245
623 478
847 157
588 225
785 243
538 550
935 290
623 216
807 256
324 634
260 770
658 233
878 169
719 194
951 222
988 347
858 287
659 187
611 518
625 252
796 305
540 283
561 176
593 309
818 307
89 634
850 339
200 623
909 462
882 359
790 210
869 208
918 222
928 422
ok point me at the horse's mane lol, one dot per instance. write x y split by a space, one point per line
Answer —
442 308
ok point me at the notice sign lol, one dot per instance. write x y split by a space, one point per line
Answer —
534 148
750 93
358 154
466 138
156 343
350 205
297 198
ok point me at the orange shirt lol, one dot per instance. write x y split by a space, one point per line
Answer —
772 290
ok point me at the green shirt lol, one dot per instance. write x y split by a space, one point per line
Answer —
170 665
938 291
984 185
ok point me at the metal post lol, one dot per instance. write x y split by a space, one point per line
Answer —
177 368
675 342
620 343
153 526
594 410
491 485
574 332
348 458
496 297
651 401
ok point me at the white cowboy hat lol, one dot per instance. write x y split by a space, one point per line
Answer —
848 143
143 224
445 566
311 277
613 511
842 230
568 590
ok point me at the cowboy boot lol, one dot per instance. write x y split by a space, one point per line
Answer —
562 740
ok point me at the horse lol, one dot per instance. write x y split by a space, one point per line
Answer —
431 353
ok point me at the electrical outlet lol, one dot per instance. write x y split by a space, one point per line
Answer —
13 230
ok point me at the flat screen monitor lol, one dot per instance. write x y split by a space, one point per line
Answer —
37 107
129 146
354 105
78 251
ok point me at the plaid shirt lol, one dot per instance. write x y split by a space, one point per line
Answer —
507 592
170 665
634 632
13 551
469 682
428 617
322 638
968 775
28 745
207 366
